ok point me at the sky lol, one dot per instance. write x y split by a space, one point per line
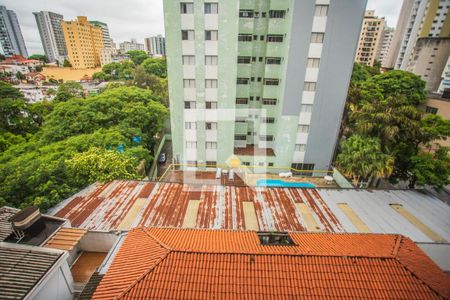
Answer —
127 19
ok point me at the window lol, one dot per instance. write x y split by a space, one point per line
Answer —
321 11
241 100
242 81
210 105
211 35
266 138
303 167
187 8
270 164
191 163
211 126
309 86
267 101
211 145
189 104
261 38
246 163
187 35
268 120
243 59
271 81
244 37
188 60
240 120
211 164
277 14
273 60
275 38
211 60
240 137
317 37
303 129
189 83
190 125
191 145
300 147
313 62
306 108
431 110
245 13
211 8
211 83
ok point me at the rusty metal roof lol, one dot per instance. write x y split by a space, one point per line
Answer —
122 205
66 238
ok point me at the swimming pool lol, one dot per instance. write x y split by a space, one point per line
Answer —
282 183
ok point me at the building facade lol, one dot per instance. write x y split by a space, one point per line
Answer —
155 45
130 46
261 80
445 78
110 55
105 33
84 42
384 45
11 38
52 36
370 39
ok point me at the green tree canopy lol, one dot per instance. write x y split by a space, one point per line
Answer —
431 169
40 57
100 76
68 90
155 66
137 56
67 64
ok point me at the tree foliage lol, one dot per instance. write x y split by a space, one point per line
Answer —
68 90
67 64
155 66
40 57
137 56
431 168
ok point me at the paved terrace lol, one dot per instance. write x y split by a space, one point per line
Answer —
121 205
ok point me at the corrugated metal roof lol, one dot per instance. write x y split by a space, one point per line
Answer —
116 204
66 238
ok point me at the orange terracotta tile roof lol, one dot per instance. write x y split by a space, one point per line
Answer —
66 238
163 263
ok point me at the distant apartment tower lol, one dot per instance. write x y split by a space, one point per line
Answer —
445 78
155 45
384 45
129 46
11 38
105 32
264 81
52 36
370 39
83 41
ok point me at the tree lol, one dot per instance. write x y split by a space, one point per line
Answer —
155 66
68 90
38 68
100 76
67 64
20 76
8 91
156 84
137 56
8 139
434 128
362 158
122 70
40 57
431 169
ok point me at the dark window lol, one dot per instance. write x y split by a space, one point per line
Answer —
211 164
261 38
275 38
241 100
211 8
266 138
210 105
431 110
260 59
273 60
268 120
271 81
255 37
253 58
252 79
244 37
211 35
246 163
275 239
187 8
251 98
244 13
257 98
187 35
259 80
270 164
244 59
242 81
301 168
277 14
240 137
263 15
192 163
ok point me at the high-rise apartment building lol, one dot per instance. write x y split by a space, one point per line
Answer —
105 32
262 80
155 45
52 36
445 78
384 45
370 39
11 38
129 46
83 41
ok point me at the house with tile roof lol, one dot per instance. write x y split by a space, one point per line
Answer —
163 263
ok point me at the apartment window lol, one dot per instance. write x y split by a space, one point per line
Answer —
246 163
241 100
240 120
303 129
211 60
309 86
321 11
317 37
240 137
211 35
242 81
211 126
189 104
187 35
191 145
300 147
210 105
211 8
244 37
306 108
187 8
211 83
273 60
188 60
244 59
189 83
271 81
266 101
268 120
275 38
431 110
244 13
211 145
192 163
266 138
277 14
313 62
190 125
211 164
298 166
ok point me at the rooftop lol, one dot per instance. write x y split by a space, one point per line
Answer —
122 205
254 151
66 238
167 263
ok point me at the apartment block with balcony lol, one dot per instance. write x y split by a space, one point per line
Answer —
262 80
370 39
52 36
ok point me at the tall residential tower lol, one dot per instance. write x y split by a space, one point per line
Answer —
370 39
52 36
11 38
155 45
105 32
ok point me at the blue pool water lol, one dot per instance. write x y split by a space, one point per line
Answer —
282 183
